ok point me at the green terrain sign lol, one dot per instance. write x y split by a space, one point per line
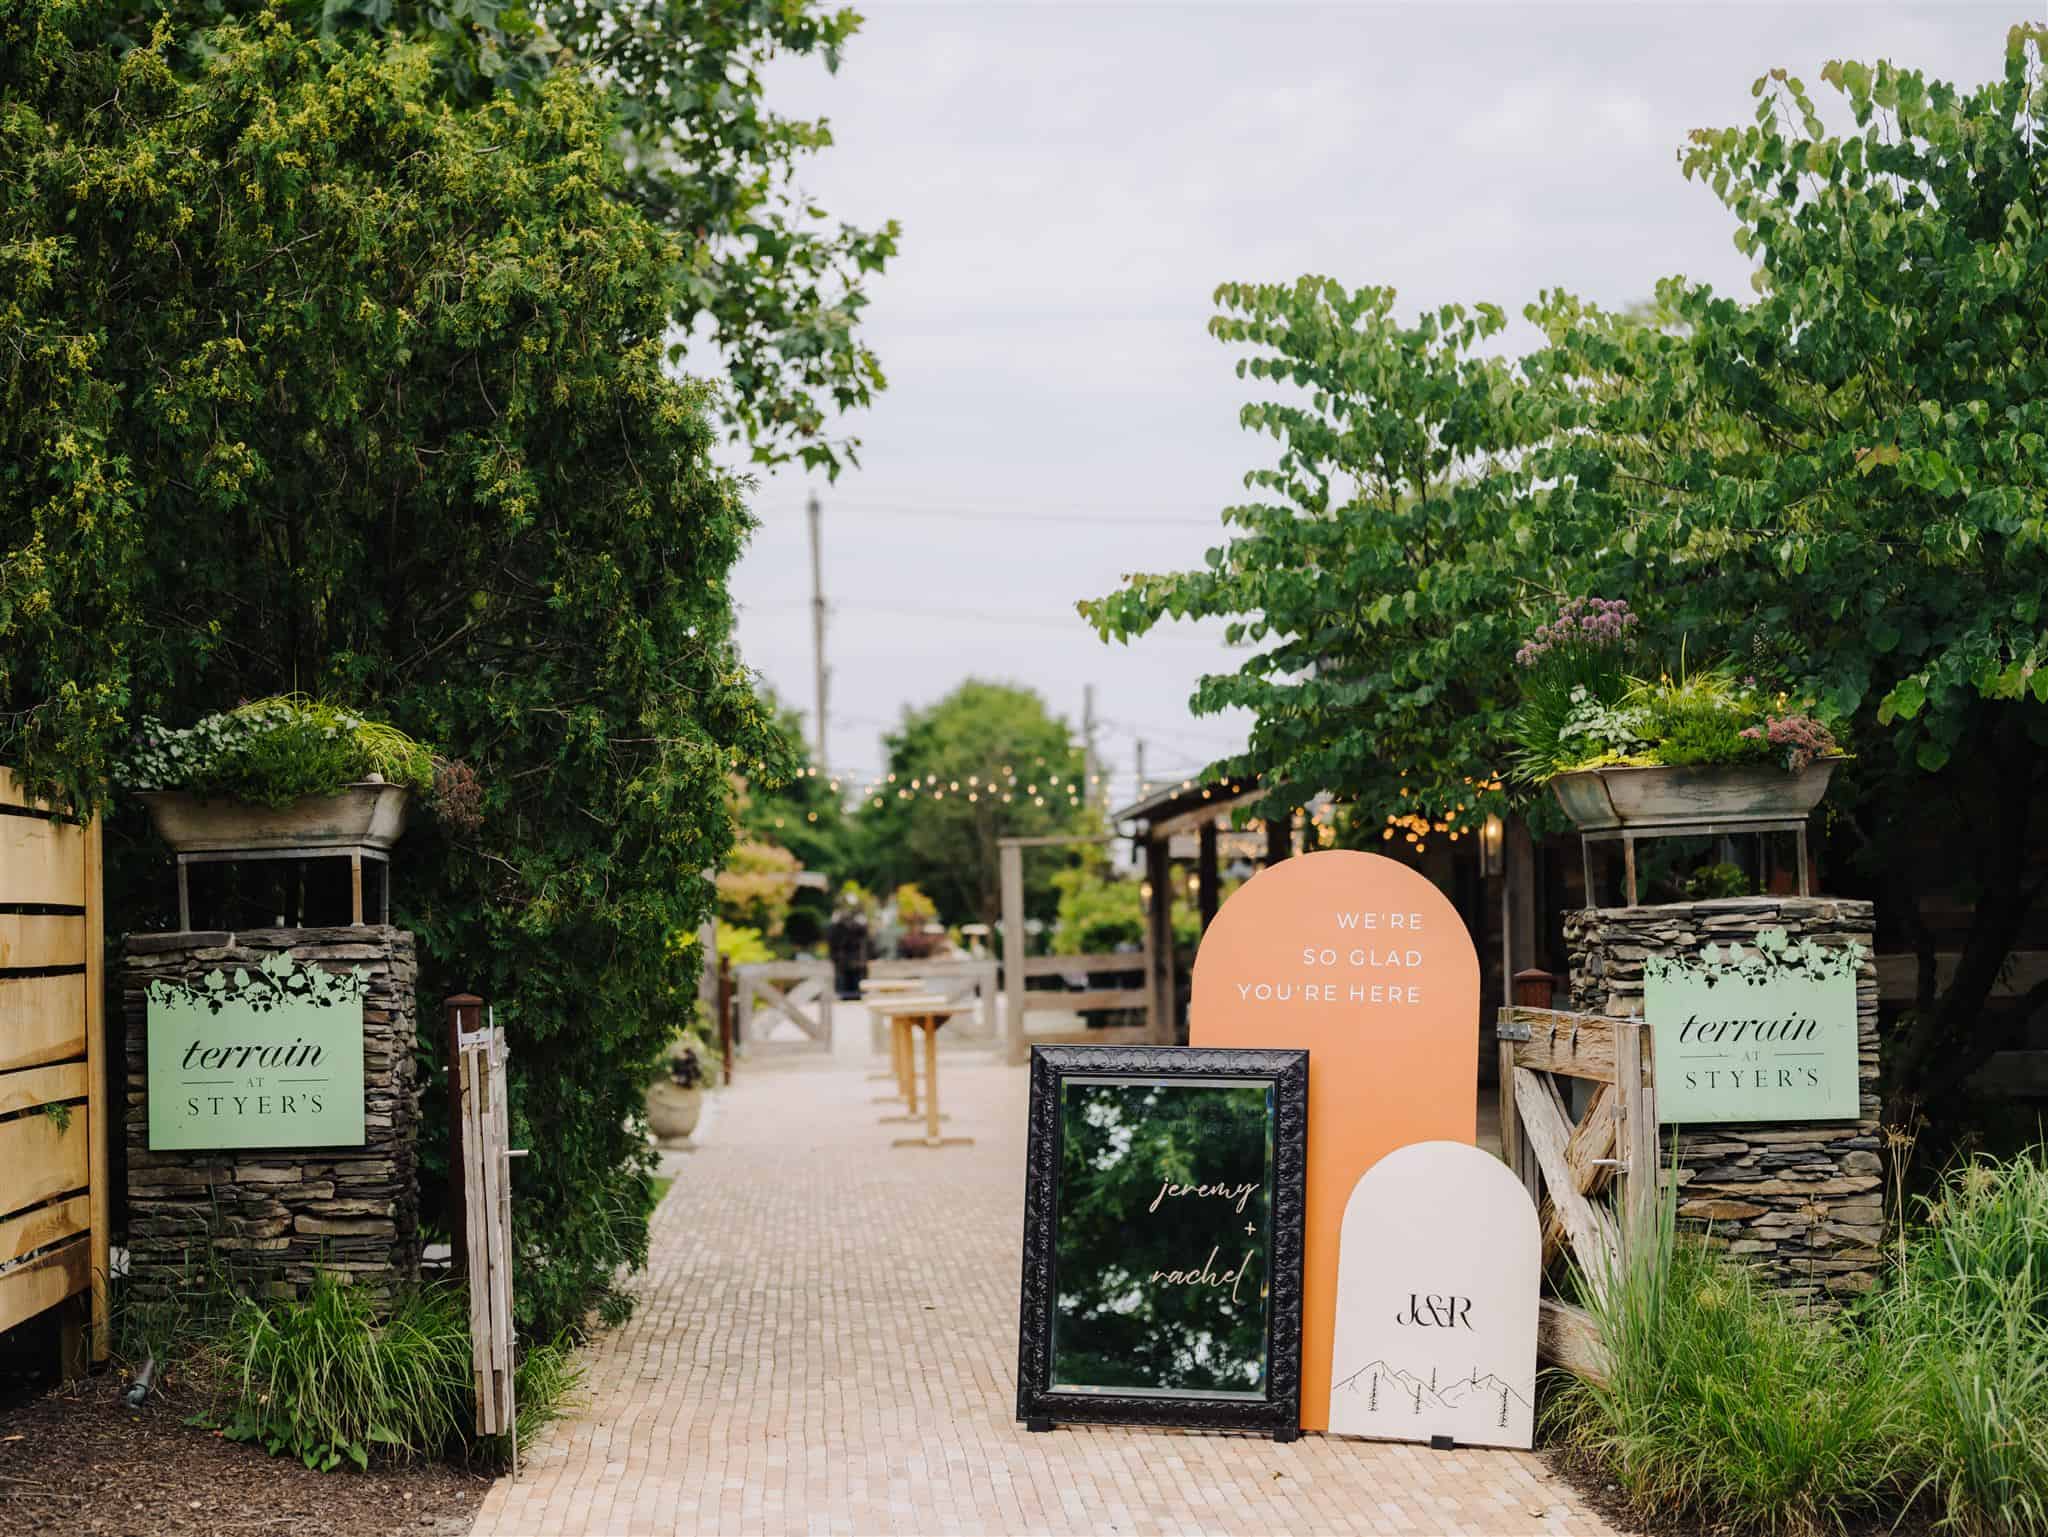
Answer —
270 1057
1762 1035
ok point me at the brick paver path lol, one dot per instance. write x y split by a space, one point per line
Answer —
827 1343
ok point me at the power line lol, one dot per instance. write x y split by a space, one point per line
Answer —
957 514
917 608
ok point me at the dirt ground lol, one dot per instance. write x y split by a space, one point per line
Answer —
79 1460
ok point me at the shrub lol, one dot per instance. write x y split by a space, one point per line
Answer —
1097 914
743 946
445 470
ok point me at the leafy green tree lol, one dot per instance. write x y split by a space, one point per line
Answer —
1840 481
765 280
317 381
805 811
1383 573
984 763
1847 478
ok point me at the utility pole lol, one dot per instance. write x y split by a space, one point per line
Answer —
1142 786
1089 762
818 625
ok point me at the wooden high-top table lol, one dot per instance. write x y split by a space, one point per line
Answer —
927 1013
875 990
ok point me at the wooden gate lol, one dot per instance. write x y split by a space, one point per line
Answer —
797 991
487 1221
53 1117
1594 1176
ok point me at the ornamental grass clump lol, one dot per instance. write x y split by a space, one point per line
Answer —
1966 1321
330 1378
1728 1405
343 1376
1724 1406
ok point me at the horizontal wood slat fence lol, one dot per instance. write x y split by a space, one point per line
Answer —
53 1109
1593 1177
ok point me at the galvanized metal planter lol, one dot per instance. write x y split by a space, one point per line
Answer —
1673 801
370 815
1624 804
359 822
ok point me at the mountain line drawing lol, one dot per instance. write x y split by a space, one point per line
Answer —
1376 1377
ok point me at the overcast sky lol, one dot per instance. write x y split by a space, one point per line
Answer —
1074 180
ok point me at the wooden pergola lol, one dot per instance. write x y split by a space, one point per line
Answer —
1188 808
1201 809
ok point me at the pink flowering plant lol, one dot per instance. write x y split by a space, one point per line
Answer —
1583 708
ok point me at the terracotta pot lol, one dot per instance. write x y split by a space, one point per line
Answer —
1669 800
672 1110
362 815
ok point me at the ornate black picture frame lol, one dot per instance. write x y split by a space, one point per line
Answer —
1126 1098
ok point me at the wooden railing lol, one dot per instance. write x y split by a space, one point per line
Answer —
1079 1000
53 1115
1593 1176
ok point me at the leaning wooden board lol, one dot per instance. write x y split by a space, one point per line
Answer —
53 1118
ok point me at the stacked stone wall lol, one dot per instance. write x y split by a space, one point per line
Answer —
269 1218
1803 1200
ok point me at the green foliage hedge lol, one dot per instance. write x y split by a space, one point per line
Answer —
320 382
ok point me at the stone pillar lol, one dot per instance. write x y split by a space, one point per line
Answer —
269 1218
1804 1200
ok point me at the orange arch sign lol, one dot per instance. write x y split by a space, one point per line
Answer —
1366 964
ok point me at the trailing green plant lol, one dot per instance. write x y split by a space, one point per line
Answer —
1724 1406
341 1377
273 752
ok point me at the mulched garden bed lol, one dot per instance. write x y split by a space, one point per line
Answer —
79 1460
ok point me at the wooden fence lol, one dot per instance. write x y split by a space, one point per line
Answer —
797 991
1025 1000
1593 1176
53 1115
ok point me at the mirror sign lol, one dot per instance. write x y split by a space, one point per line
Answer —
1163 1238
